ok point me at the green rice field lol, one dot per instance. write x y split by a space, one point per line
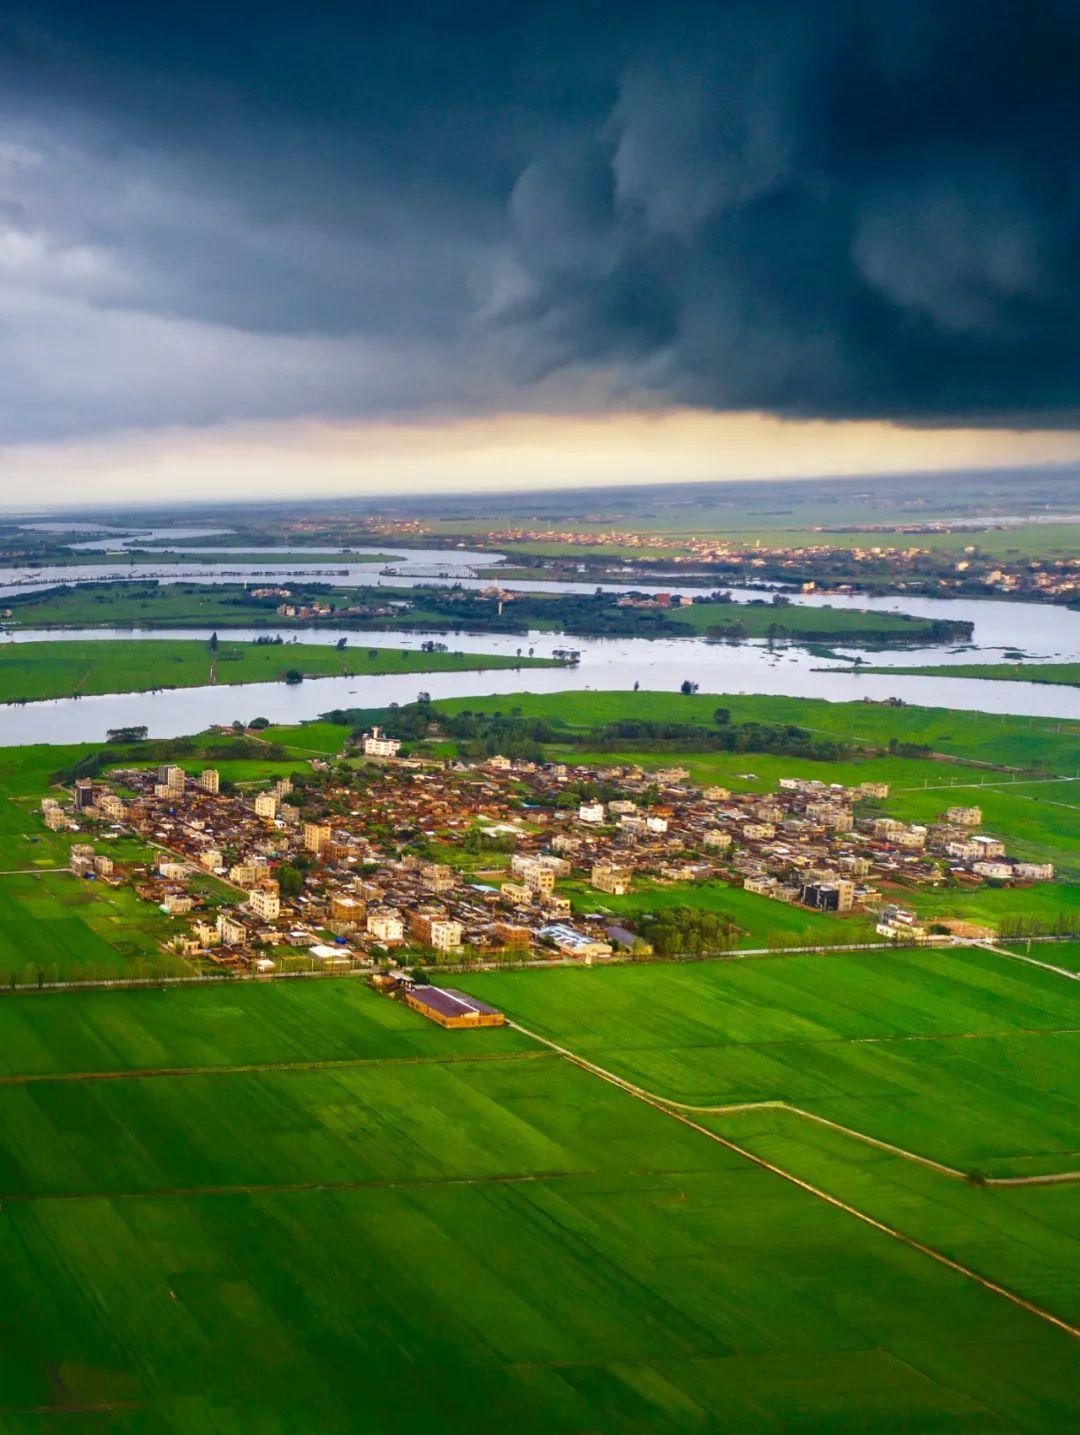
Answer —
955 1053
211 1228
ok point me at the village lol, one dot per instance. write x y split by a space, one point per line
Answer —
390 860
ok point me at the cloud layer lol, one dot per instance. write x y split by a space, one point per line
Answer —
844 210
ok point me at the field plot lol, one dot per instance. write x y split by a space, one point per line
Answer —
439 1235
762 921
1056 954
958 1055
54 925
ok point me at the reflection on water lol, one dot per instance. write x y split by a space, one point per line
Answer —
606 664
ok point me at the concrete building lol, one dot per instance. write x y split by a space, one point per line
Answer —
607 877
436 876
385 924
574 943
266 804
377 744
436 929
210 781
347 911
264 902
591 812
964 816
230 931
316 836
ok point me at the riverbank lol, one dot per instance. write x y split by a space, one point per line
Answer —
1061 674
31 672
148 603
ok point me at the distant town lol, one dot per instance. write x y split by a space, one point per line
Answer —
315 867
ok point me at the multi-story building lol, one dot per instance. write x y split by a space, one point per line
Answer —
210 781
385 924
230 931
171 777
266 804
607 877
436 876
316 836
436 929
264 902
346 910
591 812
964 816
377 744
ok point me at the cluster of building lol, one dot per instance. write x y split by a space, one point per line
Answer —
356 873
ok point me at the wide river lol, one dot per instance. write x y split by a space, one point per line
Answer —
1041 631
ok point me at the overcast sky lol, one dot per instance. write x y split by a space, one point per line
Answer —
270 231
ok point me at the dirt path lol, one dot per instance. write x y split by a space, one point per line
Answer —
255 1067
1031 961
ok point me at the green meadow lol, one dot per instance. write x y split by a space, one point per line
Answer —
1028 743
1062 673
441 1231
762 921
82 667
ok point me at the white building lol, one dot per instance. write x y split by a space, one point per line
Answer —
591 812
385 924
265 902
377 745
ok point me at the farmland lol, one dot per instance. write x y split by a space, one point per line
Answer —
451 1233
33 671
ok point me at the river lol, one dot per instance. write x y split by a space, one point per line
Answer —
606 664
1042 631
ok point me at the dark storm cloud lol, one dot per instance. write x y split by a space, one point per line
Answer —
818 209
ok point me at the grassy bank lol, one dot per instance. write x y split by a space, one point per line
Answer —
80 667
1067 674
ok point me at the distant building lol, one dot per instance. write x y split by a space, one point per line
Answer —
436 876
266 804
592 812
376 744
451 1008
346 910
385 924
264 902
575 943
230 931
171 777
964 816
436 929
316 836
607 877
210 781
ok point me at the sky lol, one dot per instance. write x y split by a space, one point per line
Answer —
252 250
